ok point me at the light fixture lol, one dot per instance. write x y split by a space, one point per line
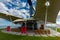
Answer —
47 3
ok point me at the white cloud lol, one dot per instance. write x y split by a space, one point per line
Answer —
28 6
16 13
19 13
34 7
5 0
23 4
25 11
33 1
23 15
58 22
2 6
4 12
58 13
9 4
8 0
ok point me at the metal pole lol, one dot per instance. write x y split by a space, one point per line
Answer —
46 16
56 28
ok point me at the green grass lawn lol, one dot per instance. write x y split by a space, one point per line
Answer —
58 29
4 36
53 28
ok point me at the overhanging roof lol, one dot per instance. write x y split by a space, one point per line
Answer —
8 17
53 10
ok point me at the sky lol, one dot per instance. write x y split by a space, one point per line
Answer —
18 8
58 18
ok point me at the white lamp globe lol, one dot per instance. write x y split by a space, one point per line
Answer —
47 3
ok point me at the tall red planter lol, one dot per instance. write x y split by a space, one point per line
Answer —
8 28
24 30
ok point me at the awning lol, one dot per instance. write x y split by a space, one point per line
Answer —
19 20
53 10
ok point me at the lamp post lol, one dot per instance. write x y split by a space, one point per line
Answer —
46 4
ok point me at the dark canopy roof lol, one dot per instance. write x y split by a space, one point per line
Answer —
53 10
8 17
